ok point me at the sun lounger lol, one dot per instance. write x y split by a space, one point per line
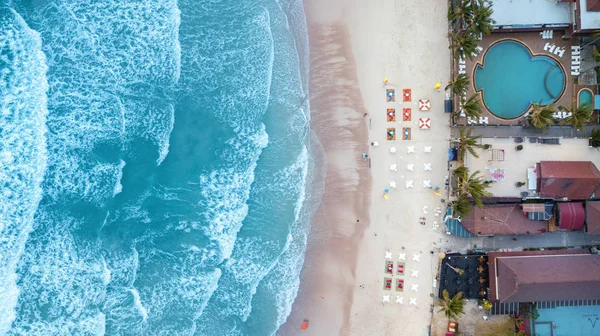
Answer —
390 95
400 268
406 95
399 285
559 52
406 133
387 284
391 115
389 267
406 114
391 133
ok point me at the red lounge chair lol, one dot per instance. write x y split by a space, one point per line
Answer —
304 325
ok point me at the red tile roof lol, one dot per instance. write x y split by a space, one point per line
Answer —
502 219
572 216
544 276
576 180
592 217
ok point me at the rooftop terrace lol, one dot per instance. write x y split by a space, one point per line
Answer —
504 164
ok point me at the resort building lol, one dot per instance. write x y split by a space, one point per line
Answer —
573 180
575 17
538 276
592 217
508 219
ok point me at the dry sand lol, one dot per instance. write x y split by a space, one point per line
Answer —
354 45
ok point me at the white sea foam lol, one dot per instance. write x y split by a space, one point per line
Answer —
138 303
23 107
119 185
227 190
125 53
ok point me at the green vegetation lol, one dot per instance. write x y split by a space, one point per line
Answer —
461 207
469 19
472 106
541 116
580 115
471 185
595 138
459 85
452 307
466 143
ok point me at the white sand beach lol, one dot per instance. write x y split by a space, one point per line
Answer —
341 290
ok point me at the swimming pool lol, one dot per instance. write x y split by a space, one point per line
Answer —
568 321
585 96
511 79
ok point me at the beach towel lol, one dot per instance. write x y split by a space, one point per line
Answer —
406 133
390 95
406 95
406 114
391 133
391 115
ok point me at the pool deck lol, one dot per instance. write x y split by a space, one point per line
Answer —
534 41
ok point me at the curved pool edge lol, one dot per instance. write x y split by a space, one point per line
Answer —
591 96
480 64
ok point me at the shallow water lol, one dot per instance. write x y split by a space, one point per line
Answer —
155 156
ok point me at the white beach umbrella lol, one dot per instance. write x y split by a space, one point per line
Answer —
411 149
415 274
402 256
410 167
414 287
388 255
394 167
413 301
386 298
393 184
426 183
409 184
399 299
393 150
416 257
427 149
427 166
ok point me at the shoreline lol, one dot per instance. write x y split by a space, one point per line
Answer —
353 46
328 275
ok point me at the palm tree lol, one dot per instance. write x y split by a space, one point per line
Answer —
460 11
595 138
467 143
452 307
541 117
456 269
464 45
579 115
459 85
461 207
481 17
472 106
471 186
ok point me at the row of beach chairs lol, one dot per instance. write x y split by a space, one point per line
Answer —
575 60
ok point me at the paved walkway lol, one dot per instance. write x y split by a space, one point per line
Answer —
551 239
520 131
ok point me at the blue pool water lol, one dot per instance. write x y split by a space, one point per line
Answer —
154 157
569 321
511 79
585 96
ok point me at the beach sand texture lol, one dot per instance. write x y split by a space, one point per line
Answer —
354 45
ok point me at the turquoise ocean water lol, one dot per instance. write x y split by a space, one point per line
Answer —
155 162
